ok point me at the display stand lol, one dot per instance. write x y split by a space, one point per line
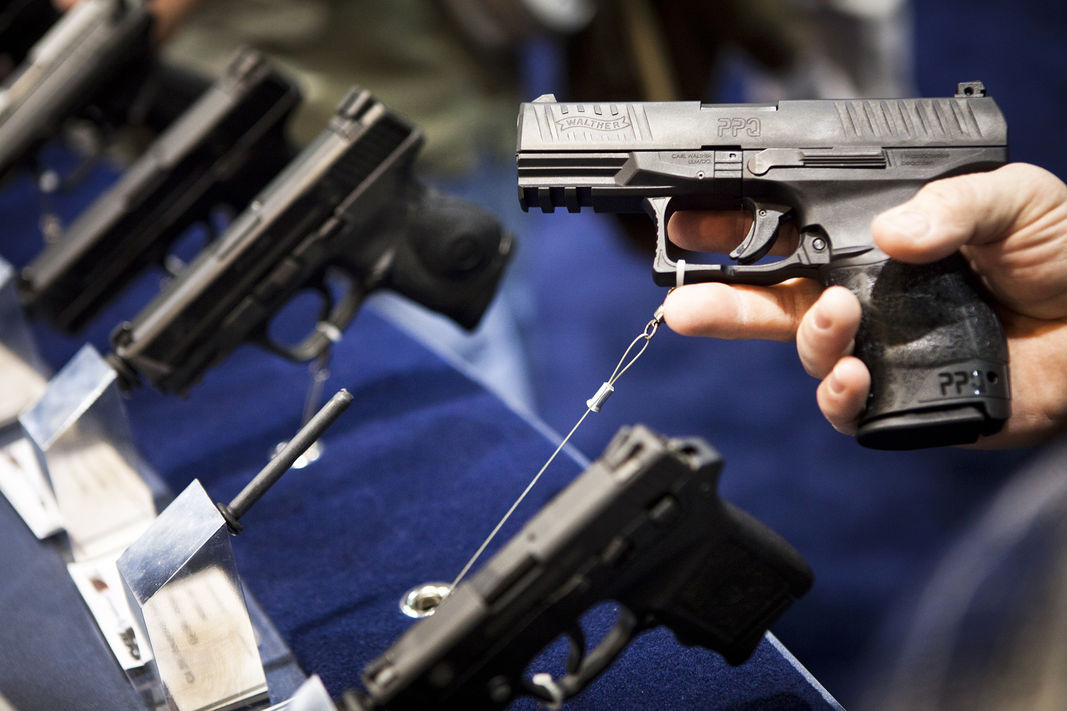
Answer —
311 696
105 495
176 618
183 587
181 582
23 379
105 492
23 375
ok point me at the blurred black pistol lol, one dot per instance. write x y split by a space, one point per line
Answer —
349 205
218 154
643 527
92 54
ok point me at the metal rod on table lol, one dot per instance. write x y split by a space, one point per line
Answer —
281 462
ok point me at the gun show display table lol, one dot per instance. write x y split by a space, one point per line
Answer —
410 481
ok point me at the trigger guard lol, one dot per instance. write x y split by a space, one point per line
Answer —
327 302
576 650
597 660
334 317
556 690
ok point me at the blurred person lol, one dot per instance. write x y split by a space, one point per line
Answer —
415 56
168 13
988 630
780 49
854 48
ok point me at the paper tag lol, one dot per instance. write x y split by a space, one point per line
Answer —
100 586
20 385
205 646
105 503
25 486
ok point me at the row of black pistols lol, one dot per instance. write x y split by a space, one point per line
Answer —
344 216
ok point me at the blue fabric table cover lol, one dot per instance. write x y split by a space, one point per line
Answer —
413 476
51 654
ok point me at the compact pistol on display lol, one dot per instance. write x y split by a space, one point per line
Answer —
936 351
348 204
643 527
219 153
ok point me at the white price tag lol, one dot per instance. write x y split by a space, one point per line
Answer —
20 386
205 645
100 586
25 486
105 503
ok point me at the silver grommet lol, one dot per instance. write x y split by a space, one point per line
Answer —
422 600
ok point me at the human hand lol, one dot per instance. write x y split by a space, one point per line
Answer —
1011 226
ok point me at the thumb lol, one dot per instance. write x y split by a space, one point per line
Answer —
977 208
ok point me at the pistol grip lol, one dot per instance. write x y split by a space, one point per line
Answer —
936 352
450 257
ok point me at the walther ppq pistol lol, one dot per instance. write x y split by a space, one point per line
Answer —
219 153
935 349
349 204
643 527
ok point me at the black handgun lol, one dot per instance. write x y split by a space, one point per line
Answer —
935 349
349 203
643 527
94 52
22 23
220 153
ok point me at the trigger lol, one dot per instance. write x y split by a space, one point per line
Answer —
764 231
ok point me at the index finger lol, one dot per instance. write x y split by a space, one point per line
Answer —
707 230
740 311
720 231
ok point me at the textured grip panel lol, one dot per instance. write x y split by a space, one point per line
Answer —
936 352
450 257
